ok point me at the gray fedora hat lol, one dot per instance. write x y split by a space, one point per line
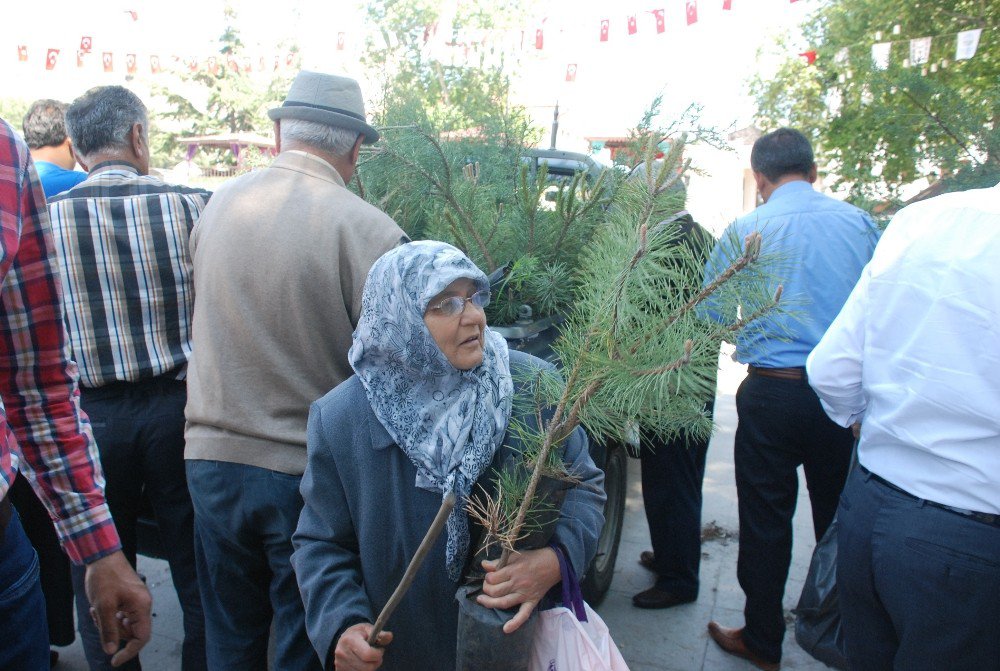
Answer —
326 99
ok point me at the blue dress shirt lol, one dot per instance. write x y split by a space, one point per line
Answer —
816 248
55 179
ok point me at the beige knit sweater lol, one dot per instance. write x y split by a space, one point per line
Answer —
280 260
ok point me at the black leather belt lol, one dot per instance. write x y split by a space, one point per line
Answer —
6 511
985 518
798 373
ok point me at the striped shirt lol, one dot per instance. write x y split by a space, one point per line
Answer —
41 426
122 247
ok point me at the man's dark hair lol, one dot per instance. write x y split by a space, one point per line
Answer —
785 151
44 124
101 119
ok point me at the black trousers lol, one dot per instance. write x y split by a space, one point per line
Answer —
139 429
781 426
672 474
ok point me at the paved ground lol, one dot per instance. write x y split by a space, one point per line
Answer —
669 640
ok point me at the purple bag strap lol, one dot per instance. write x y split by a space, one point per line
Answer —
572 597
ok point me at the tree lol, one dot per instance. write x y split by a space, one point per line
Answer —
226 99
880 129
12 110
414 58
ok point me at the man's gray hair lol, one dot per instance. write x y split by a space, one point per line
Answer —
100 119
43 124
331 139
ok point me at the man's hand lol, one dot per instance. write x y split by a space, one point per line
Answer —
522 582
353 652
120 605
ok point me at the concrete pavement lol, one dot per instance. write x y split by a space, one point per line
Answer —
659 640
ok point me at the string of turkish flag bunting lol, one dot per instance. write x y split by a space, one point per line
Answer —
919 48
156 65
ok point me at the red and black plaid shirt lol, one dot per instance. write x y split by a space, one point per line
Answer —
41 423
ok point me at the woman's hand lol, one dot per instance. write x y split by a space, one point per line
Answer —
353 652
524 581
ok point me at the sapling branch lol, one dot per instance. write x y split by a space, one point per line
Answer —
684 360
447 505
750 254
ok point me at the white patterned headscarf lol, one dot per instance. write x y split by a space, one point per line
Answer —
449 422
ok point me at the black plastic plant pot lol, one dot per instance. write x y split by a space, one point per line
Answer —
482 643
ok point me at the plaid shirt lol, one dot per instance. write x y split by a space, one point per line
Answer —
123 254
40 418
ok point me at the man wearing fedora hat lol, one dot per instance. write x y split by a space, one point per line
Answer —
280 260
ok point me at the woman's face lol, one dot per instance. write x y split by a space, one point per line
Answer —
459 336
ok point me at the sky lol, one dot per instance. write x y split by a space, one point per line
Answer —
707 63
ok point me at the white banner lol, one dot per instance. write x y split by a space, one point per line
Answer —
880 55
920 50
967 43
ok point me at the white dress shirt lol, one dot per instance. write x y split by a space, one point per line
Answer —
915 353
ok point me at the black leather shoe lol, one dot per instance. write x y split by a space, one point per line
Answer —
657 598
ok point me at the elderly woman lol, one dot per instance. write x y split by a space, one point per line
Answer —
425 414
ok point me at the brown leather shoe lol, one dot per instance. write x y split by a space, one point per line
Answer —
646 559
731 641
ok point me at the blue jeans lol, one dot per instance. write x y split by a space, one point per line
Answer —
244 519
24 634
919 586
139 429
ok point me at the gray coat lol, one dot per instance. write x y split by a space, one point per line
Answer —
363 520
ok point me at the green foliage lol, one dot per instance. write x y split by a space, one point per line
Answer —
474 191
12 110
881 129
206 103
412 65
637 348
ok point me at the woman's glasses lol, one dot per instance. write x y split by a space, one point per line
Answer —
455 305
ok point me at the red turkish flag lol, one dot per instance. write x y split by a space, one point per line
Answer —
193 64
604 30
539 39
661 24
341 40
571 72
233 64
22 53
631 25
130 63
50 59
277 62
79 57
85 44
727 4
154 64
247 64
289 60
108 60
692 11
810 56
134 14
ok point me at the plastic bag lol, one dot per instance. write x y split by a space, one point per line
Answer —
817 617
573 637
563 643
